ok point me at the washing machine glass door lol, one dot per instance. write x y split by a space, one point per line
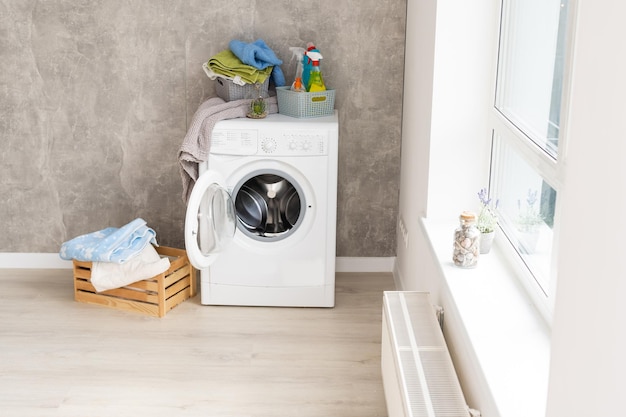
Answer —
210 220
269 206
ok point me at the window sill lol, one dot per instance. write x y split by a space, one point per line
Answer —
508 339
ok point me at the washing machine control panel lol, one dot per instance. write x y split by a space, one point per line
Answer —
234 141
295 142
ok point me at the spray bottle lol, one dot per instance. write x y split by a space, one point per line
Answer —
298 85
307 63
316 81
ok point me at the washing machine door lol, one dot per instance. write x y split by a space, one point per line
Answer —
210 220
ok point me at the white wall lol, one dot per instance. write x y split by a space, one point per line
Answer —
443 73
448 70
446 85
464 68
447 74
416 125
589 328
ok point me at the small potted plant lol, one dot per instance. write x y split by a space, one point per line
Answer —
258 106
487 220
528 221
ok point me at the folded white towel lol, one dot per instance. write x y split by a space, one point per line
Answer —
108 275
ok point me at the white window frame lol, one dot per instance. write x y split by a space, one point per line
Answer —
547 166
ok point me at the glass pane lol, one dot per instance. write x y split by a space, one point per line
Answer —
526 211
216 220
530 68
268 206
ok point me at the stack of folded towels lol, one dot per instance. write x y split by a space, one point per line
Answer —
246 63
119 256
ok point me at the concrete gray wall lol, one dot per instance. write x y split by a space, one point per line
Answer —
95 97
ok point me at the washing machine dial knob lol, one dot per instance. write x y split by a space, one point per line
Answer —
268 145
306 145
293 144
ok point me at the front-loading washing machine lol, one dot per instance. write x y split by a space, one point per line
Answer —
261 219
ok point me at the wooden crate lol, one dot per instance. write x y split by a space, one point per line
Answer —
155 296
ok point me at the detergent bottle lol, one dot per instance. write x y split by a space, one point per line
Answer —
316 81
298 85
307 63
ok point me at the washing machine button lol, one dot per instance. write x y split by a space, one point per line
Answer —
268 145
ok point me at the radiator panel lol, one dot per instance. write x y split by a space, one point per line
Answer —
417 368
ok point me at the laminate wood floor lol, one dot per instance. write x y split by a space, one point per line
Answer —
59 357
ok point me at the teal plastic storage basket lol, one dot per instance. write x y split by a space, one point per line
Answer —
305 105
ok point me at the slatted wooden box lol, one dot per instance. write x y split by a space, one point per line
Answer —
155 296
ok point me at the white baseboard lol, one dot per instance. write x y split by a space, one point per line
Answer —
53 261
365 264
397 277
33 261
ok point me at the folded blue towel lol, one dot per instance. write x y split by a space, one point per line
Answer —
110 244
258 55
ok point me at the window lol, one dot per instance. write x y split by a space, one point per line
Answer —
527 134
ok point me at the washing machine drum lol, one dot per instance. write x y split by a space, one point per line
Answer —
268 205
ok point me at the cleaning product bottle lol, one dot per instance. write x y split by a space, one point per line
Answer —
307 63
298 85
316 81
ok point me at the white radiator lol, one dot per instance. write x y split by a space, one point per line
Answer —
418 375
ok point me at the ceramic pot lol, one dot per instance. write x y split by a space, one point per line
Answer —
486 240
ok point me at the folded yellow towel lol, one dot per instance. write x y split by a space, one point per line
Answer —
226 63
